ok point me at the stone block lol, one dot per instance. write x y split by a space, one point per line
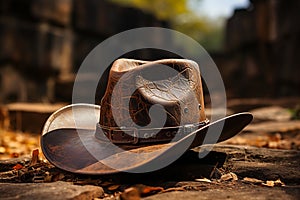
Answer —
44 191
241 30
84 44
95 16
63 89
58 11
39 47
16 8
29 117
105 18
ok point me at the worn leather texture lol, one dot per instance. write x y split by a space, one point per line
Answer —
174 84
134 87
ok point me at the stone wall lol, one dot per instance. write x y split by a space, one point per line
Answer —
262 50
43 43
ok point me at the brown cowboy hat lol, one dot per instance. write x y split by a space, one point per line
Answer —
150 114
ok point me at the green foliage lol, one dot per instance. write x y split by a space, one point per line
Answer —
163 9
295 112
209 33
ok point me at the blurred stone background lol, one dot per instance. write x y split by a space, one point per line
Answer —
43 43
262 49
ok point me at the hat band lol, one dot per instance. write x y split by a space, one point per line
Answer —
132 135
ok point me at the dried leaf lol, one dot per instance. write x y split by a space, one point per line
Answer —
18 166
229 176
2 150
48 177
148 190
203 180
14 144
215 173
14 155
131 193
113 187
35 157
269 184
173 189
278 182
274 183
252 180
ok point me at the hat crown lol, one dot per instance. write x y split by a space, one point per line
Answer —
134 86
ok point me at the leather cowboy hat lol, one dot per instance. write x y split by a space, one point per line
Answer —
151 113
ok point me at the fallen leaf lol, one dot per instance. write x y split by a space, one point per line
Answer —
131 193
2 150
278 182
229 176
252 180
14 155
203 180
148 190
273 183
113 187
173 189
145 190
35 157
269 183
18 166
48 177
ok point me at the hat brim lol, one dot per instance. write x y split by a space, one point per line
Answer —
78 151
